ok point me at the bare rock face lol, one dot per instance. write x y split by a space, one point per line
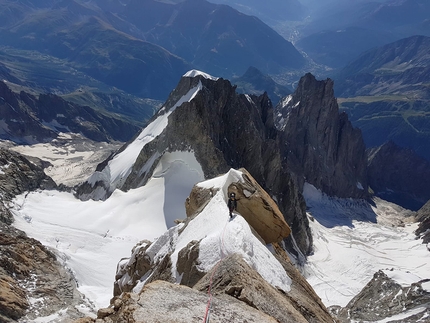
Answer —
423 216
161 301
399 175
383 298
236 278
197 200
321 146
259 209
18 175
29 271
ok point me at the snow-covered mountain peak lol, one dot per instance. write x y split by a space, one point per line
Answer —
194 73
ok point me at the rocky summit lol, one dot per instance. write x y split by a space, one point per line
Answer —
320 144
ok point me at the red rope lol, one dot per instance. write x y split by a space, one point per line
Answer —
208 306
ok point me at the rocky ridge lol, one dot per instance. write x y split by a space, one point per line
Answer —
28 119
224 130
390 298
235 283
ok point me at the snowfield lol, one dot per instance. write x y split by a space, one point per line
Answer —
353 240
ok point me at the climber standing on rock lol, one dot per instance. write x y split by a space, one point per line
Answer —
232 203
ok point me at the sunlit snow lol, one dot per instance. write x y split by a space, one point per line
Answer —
194 73
353 240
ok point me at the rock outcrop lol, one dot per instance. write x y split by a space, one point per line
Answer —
236 289
320 144
161 301
33 283
399 175
234 277
383 298
253 203
423 217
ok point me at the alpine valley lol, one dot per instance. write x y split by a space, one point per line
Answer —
127 125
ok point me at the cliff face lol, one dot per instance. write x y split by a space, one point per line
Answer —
321 146
399 175
423 216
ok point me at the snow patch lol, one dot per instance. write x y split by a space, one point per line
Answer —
249 98
194 73
286 100
404 279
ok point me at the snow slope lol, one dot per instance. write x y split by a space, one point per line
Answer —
348 252
91 237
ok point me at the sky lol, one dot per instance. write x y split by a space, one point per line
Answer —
352 239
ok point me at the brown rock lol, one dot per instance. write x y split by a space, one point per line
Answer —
236 278
259 209
105 312
13 301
